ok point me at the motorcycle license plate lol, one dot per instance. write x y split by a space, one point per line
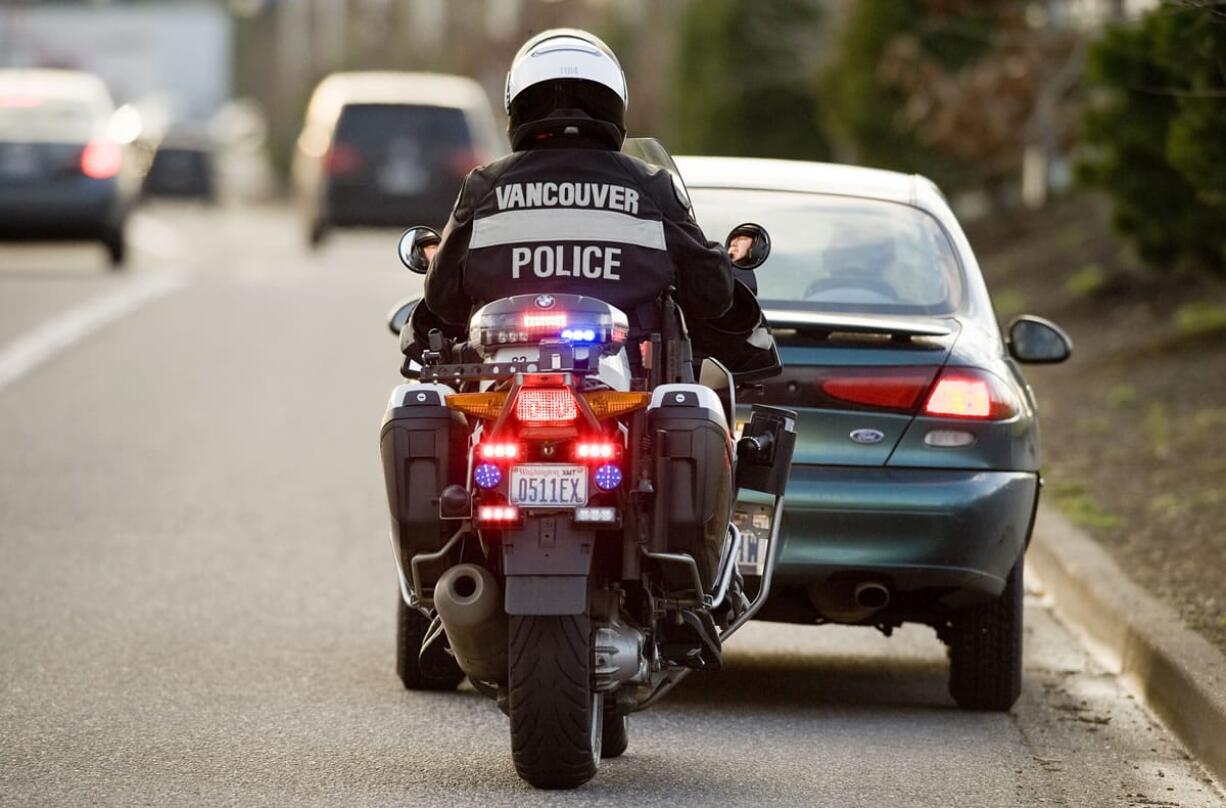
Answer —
548 485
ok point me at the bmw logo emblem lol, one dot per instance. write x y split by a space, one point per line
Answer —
545 301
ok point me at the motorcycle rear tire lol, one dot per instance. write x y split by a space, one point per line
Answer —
436 669
556 719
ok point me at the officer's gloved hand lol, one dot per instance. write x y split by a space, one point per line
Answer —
415 335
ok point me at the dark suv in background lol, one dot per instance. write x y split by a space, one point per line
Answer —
388 149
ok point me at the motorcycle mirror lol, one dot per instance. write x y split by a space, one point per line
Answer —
412 248
400 314
759 248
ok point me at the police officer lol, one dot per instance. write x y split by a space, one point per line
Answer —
567 212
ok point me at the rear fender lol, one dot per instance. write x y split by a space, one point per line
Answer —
547 562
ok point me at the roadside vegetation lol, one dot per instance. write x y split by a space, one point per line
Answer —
1094 155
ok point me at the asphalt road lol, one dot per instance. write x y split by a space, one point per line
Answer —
196 590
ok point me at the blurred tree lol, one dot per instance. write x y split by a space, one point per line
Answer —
1156 138
956 89
743 80
860 109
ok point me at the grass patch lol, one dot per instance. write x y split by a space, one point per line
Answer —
1077 503
1156 426
1121 396
1009 303
1200 317
1086 281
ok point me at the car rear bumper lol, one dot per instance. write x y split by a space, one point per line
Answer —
75 208
954 534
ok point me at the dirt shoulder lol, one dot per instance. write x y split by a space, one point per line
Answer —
1134 425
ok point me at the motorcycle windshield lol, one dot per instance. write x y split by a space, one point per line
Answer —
652 152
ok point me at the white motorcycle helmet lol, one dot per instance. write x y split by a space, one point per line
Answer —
566 81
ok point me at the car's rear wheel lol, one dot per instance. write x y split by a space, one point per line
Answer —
985 650
116 244
317 234
434 670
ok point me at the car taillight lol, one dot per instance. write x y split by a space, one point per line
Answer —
463 161
341 160
551 406
498 451
887 388
101 159
970 393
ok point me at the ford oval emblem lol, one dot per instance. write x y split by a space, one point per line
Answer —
545 301
867 436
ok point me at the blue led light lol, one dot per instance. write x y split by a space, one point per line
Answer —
608 477
578 334
487 475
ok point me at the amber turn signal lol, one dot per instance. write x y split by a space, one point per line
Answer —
611 403
478 405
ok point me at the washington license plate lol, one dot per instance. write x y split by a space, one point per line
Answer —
548 485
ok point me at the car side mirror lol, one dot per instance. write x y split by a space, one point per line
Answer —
412 248
400 314
755 241
1035 340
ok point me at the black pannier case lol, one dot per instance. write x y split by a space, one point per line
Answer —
424 448
693 483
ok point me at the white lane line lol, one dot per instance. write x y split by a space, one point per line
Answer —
29 351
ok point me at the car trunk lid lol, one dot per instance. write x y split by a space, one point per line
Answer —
856 381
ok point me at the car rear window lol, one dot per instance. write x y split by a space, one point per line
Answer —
837 253
374 128
25 117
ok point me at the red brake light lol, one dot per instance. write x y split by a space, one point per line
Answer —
548 406
497 513
544 322
341 159
889 388
969 393
101 159
498 451
595 451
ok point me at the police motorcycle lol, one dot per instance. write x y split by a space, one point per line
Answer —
562 515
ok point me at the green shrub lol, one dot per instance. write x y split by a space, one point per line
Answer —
1156 138
744 80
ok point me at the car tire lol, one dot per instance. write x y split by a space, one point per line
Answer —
614 735
317 234
116 244
434 670
985 650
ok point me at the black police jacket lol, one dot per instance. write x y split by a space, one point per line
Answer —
585 221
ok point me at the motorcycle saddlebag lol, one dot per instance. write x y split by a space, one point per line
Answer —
423 445
693 475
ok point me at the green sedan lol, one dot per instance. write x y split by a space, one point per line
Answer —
916 474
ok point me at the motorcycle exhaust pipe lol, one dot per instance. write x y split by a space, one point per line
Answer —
469 602
871 595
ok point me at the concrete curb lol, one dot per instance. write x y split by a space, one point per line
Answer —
1179 674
